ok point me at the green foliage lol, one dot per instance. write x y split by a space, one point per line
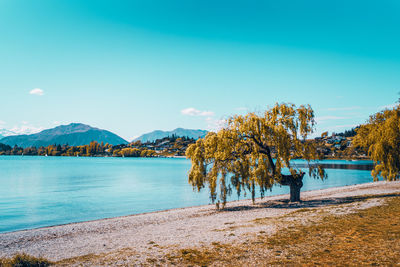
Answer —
380 136
252 150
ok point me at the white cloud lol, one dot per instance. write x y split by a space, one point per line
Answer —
37 91
196 112
212 123
2 122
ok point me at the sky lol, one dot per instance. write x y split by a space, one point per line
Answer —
132 67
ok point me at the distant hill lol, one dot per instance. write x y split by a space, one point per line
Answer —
1 136
180 132
74 134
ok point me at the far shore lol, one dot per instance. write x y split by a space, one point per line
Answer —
164 156
136 238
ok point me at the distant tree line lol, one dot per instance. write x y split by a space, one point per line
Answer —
168 146
349 133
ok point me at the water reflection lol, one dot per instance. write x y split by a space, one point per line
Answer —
347 166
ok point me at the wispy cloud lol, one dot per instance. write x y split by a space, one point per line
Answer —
213 124
344 108
345 126
196 112
329 118
36 91
2 122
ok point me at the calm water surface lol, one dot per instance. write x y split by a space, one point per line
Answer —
45 191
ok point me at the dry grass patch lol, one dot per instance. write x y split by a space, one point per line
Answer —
24 260
221 254
370 236
121 256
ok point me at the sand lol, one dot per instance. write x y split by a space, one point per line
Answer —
156 234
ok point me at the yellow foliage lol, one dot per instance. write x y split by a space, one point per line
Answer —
252 150
381 137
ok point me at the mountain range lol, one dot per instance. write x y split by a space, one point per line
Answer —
74 134
180 132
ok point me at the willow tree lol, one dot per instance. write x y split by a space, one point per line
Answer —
380 136
256 151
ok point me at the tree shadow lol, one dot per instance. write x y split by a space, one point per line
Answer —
314 203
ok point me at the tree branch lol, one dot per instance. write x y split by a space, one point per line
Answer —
266 150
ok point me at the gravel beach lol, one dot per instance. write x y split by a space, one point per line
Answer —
135 238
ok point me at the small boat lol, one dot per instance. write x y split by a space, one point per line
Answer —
45 155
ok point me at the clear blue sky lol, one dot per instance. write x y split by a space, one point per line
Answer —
135 66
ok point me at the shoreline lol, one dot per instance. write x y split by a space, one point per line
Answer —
162 156
182 208
174 228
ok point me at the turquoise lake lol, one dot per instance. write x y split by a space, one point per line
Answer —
46 191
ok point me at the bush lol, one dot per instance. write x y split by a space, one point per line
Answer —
24 260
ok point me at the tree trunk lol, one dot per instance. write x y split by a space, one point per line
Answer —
295 192
295 183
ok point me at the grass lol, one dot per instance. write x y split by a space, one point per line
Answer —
221 253
24 260
366 237
102 259
370 236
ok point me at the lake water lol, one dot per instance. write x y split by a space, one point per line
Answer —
45 191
